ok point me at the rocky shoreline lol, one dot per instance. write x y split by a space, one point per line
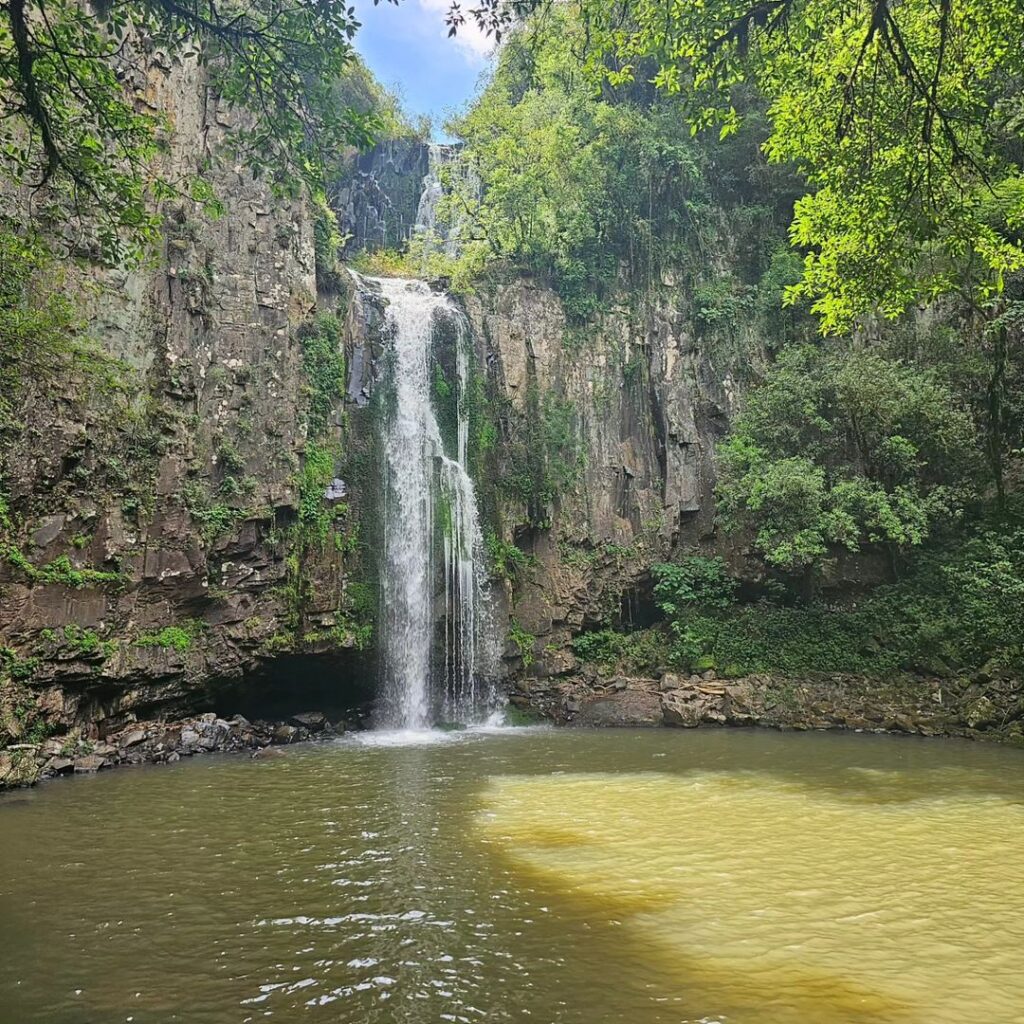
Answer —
156 742
978 707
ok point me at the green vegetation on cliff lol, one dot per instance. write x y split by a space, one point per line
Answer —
847 447
70 121
322 547
42 335
903 118
544 455
599 190
323 360
959 607
627 153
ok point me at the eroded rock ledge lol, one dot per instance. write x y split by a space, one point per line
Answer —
157 742
977 709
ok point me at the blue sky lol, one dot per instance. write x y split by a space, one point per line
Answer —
408 49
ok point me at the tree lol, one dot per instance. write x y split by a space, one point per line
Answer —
905 119
577 185
72 131
846 448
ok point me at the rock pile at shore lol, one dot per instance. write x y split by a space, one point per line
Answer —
981 708
156 742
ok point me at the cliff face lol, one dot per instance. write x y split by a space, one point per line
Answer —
629 410
154 482
188 514
190 511
194 502
378 197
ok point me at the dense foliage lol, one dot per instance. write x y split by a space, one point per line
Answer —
585 187
642 652
620 147
960 607
72 131
694 582
846 446
905 119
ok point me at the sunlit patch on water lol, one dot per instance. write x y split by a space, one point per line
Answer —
881 898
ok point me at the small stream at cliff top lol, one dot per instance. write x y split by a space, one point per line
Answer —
609 877
438 646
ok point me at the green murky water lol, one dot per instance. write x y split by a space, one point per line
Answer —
640 877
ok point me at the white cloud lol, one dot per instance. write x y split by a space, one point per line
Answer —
473 44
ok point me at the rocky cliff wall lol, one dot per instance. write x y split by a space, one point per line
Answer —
378 195
624 413
158 483
192 501
181 527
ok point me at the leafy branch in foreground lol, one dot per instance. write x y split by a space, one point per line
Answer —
75 131
905 119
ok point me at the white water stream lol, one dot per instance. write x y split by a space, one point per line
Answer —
434 584
452 230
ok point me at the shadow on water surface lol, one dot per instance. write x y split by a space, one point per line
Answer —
841 764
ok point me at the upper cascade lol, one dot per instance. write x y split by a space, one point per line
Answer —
433 191
446 233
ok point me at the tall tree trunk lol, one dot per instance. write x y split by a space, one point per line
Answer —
995 439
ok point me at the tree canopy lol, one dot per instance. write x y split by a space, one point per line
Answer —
75 132
846 448
568 183
905 119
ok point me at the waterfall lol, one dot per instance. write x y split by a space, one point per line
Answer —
446 236
433 191
431 530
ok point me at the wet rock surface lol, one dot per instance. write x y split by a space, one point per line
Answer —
156 742
153 533
377 205
623 707
918 706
